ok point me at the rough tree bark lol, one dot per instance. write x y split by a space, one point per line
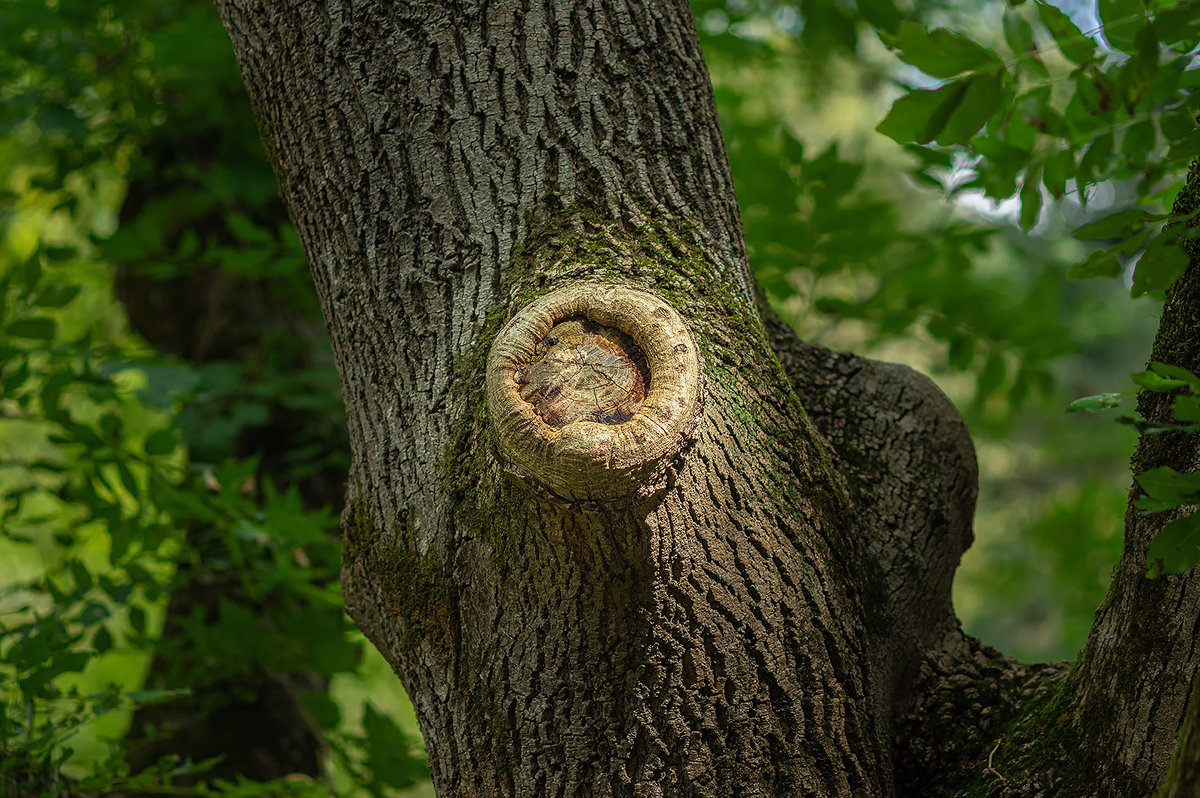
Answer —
745 590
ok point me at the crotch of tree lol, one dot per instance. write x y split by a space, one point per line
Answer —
592 390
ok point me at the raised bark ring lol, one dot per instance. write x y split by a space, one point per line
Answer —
532 377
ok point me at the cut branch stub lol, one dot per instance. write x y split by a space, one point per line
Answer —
593 390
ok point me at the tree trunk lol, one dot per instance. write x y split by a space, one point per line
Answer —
618 531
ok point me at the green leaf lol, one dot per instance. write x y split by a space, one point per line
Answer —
1179 25
59 254
1101 263
80 575
127 479
1186 408
1177 373
962 352
982 98
1094 164
1148 380
1140 72
137 619
1167 489
1059 168
102 641
1094 404
1118 225
388 751
942 53
1031 200
324 710
1140 424
881 13
1070 40
56 296
245 230
1162 263
13 381
1138 142
1122 19
1018 33
1177 125
160 442
1000 166
919 116
1187 149
39 328
1176 548
992 376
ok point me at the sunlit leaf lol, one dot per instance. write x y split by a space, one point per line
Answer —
1157 383
1177 373
1094 404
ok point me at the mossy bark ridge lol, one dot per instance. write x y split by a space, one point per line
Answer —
752 600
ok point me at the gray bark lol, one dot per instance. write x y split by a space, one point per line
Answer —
774 618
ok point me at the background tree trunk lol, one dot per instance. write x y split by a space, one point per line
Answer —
774 618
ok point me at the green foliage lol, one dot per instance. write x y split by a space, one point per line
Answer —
1131 116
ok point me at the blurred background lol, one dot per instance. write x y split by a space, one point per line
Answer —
172 445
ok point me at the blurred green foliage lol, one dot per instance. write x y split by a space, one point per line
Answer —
170 420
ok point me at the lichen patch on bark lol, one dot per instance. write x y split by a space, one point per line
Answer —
584 371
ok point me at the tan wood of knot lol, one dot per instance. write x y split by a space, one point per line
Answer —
572 349
584 371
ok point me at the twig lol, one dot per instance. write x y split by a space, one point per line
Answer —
992 754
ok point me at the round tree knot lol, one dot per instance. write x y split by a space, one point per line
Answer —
584 371
593 390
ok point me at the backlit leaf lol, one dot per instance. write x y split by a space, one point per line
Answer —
1070 40
1094 404
1122 19
942 53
